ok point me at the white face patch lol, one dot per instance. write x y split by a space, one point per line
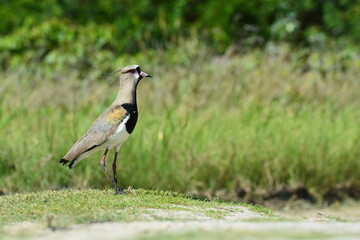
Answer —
137 76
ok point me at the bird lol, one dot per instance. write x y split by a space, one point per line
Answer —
113 127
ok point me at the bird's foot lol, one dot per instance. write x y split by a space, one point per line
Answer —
119 190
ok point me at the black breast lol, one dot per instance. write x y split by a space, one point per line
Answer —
132 110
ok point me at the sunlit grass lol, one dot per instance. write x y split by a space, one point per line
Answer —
89 206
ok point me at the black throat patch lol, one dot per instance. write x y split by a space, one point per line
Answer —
132 110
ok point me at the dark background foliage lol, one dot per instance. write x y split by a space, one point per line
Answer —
35 29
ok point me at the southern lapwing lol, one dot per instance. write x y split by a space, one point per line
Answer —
111 129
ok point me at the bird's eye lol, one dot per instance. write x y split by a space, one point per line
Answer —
132 71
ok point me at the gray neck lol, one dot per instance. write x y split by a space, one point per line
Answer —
127 93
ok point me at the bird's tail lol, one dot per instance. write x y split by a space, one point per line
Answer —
64 161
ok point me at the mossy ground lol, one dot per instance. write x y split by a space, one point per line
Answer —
154 214
88 206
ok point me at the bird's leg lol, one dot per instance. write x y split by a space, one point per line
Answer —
102 162
118 190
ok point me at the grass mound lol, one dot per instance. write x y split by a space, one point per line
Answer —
64 207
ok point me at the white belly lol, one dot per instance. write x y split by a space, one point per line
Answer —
119 137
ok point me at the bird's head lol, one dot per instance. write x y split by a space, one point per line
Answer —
132 73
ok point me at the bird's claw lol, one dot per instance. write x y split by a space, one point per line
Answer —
119 190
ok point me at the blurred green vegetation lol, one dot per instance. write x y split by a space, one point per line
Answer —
207 124
246 95
86 34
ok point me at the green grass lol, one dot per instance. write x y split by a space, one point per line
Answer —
209 125
64 207
54 213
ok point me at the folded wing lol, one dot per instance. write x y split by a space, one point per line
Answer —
103 127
